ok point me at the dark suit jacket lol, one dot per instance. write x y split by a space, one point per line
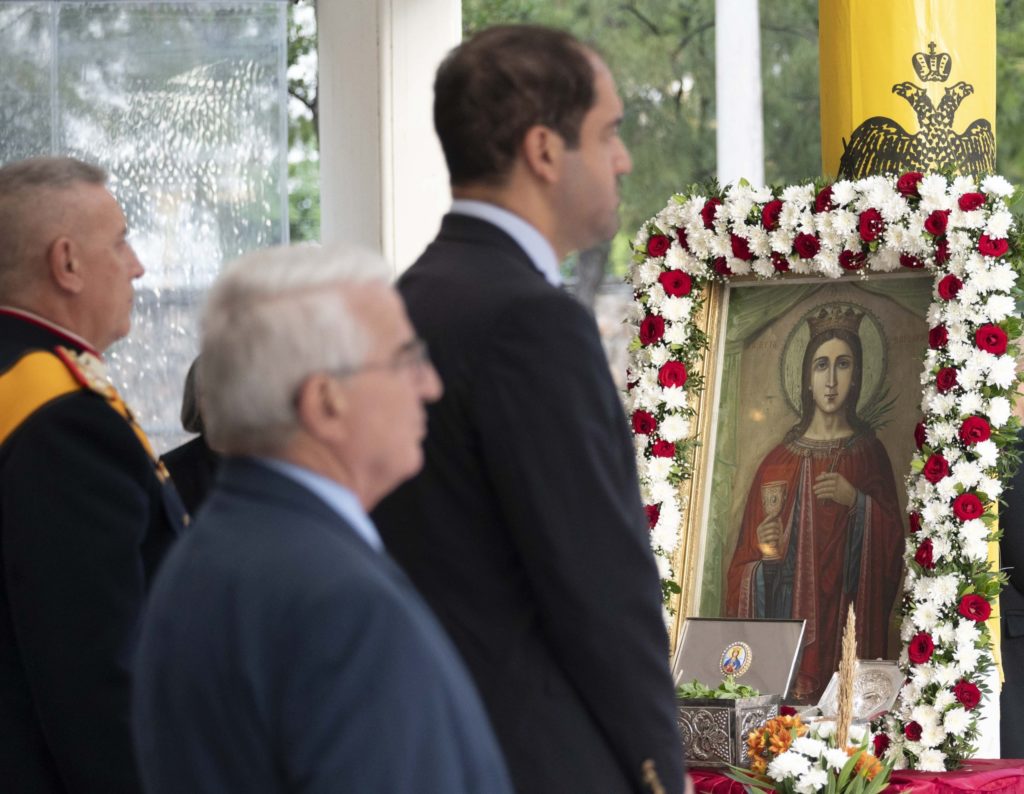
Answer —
281 653
1011 607
525 531
84 520
192 467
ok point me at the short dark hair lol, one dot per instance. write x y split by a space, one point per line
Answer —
498 84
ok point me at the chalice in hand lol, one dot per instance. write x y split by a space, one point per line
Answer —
773 497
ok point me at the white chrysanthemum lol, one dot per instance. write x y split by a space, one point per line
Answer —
962 184
813 781
942 404
998 307
674 399
967 657
944 588
674 428
823 730
885 260
944 698
782 241
931 760
788 764
738 209
925 617
764 268
967 473
835 758
999 224
941 548
677 309
762 194
956 720
932 735
991 487
677 333
656 297
658 469
1003 372
658 355
798 194
995 185
677 258
1003 277
649 271
933 186
987 452
947 674
998 411
664 566
813 748
665 534
971 402
856 734
941 433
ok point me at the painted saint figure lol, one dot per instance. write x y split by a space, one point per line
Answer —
822 526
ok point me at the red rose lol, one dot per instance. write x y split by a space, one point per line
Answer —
871 225
657 245
780 262
880 743
967 506
923 555
991 338
967 693
663 449
676 283
823 201
787 711
975 429
920 436
710 210
681 237
971 201
806 245
945 379
920 648
741 248
672 373
949 287
652 511
935 468
848 260
992 246
770 214
652 328
915 522
644 423
942 251
912 730
907 184
975 607
722 267
937 337
936 223
912 262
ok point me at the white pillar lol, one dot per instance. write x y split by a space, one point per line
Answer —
740 127
383 182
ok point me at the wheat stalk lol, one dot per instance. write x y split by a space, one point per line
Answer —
847 669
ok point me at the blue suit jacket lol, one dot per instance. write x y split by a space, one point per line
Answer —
281 653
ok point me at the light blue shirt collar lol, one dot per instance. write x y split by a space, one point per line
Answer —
537 248
337 496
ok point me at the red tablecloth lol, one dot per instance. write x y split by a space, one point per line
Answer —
1001 775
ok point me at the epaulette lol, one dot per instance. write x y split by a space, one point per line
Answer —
42 376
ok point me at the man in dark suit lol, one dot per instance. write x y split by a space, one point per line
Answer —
283 650
525 531
86 512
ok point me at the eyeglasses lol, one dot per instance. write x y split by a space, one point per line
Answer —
413 354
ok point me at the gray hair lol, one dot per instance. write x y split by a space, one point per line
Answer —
30 213
272 319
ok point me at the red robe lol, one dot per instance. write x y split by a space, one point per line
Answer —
830 554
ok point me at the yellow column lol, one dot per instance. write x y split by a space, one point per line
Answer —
893 102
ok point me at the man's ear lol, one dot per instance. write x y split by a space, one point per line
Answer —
65 269
322 407
543 151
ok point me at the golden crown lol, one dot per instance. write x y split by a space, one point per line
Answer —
934 66
836 316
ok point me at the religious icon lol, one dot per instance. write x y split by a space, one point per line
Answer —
822 527
736 659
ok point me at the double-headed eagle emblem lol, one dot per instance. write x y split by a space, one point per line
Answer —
880 145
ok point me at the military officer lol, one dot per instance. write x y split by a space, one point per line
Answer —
86 513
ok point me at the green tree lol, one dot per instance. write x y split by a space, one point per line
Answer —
303 123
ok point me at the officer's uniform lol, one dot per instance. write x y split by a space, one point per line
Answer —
86 514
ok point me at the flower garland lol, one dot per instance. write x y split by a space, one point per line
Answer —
962 232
